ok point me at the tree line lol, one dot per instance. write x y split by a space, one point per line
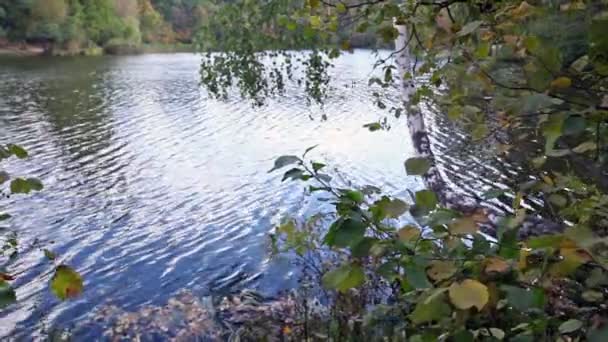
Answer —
75 24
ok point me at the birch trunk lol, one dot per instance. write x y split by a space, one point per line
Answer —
533 225
415 118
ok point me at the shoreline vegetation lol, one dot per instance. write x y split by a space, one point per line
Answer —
98 27
34 50
119 27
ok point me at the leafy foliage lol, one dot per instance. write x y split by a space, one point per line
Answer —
446 278
66 24
66 282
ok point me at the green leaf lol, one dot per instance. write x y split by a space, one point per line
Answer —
49 255
395 208
4 216
483 50
431 308
552 130
386 207
479 131
374 126
317 166
545 241
292 25
574 125
388 33
469 28
417 166
283 161
345 232
344 278
308 150
426 200
416 276
35 184
363 27
7 294
20 186
18 151
532 43
354 195
362 249
442 216
294 174
570 326
524 299
463 336
340 7
455 113
535 102
66 283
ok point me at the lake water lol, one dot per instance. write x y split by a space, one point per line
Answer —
152 187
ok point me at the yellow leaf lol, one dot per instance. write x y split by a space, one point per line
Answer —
547 180
441 270
465 225
522 263
66 283
468 294
409 234
561 83
496 264
524 10
487 35
517 200
315 21
572 259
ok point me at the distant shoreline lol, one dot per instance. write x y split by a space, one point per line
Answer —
21 50
32 50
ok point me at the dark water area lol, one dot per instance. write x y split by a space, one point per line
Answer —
152 187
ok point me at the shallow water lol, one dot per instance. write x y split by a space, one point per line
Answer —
152 187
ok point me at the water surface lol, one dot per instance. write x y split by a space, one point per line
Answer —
152 187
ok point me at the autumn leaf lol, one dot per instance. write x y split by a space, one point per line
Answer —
441 270
468 294
561 83
409 234
465 225
66 283
496 265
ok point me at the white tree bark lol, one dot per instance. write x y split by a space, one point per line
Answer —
415 118
419 135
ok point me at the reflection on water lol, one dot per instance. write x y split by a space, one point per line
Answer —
151 187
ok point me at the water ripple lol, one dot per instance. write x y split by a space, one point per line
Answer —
150 186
